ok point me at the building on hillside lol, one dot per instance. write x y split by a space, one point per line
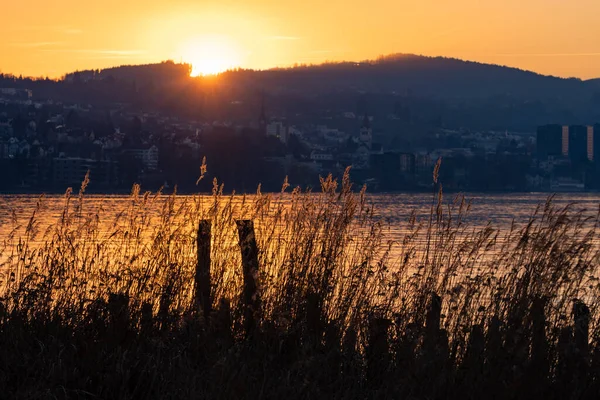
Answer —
14 93
565 141
595 143
578 144
407 163
365 144
279 130
549 141
318 156
6 130
590 143
366 134
262 118
322 161
72 170
147 155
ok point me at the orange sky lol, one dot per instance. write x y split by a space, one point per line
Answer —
40 37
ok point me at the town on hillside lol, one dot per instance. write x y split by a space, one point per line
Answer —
49 141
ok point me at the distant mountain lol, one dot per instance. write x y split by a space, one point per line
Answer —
419 75
595 81
460 93
448 91
401 74
162 74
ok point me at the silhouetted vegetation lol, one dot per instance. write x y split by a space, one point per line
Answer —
296 295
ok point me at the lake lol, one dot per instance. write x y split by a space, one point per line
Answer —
393 209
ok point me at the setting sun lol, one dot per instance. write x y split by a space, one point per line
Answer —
210 55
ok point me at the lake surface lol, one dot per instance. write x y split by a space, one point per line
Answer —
394 209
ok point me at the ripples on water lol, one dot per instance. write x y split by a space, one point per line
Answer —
394 209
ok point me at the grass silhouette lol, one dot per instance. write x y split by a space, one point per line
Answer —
93 308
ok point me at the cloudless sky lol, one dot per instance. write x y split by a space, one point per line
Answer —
41 37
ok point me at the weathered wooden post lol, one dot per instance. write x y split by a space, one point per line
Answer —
164 304
581 320
349 363
313 317
251 297
564 368
433 318
581 317
443 347
202 279
146 320
432 327
495 358
494 347
378 351
406 345
118 310
475 350
349 342
223 323
539 343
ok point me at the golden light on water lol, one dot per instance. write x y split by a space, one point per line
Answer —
211 54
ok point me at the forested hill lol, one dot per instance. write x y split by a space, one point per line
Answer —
161 74
426 76
461 93
400 74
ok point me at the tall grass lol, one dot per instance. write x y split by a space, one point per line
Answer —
328 278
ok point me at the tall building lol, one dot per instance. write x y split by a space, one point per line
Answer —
366 133
279 130
365 144
549 141
148 155
590 143
565 141
262 118
596 143
578 144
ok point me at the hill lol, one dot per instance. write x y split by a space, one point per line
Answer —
426 76
423 89
398 73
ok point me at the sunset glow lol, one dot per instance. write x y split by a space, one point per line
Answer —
210 55
216 35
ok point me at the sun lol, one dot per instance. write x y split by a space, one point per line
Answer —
211 54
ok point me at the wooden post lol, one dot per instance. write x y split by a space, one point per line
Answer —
475 350
202 279
406 340
539 343
349 342
118 309
432 325
434 315
443 348
146 320
313 318
349 364
494 347
378 350
164 306
223 323
495 359
581 317
251 297
564 368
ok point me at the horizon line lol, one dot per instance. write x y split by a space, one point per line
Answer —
380 58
